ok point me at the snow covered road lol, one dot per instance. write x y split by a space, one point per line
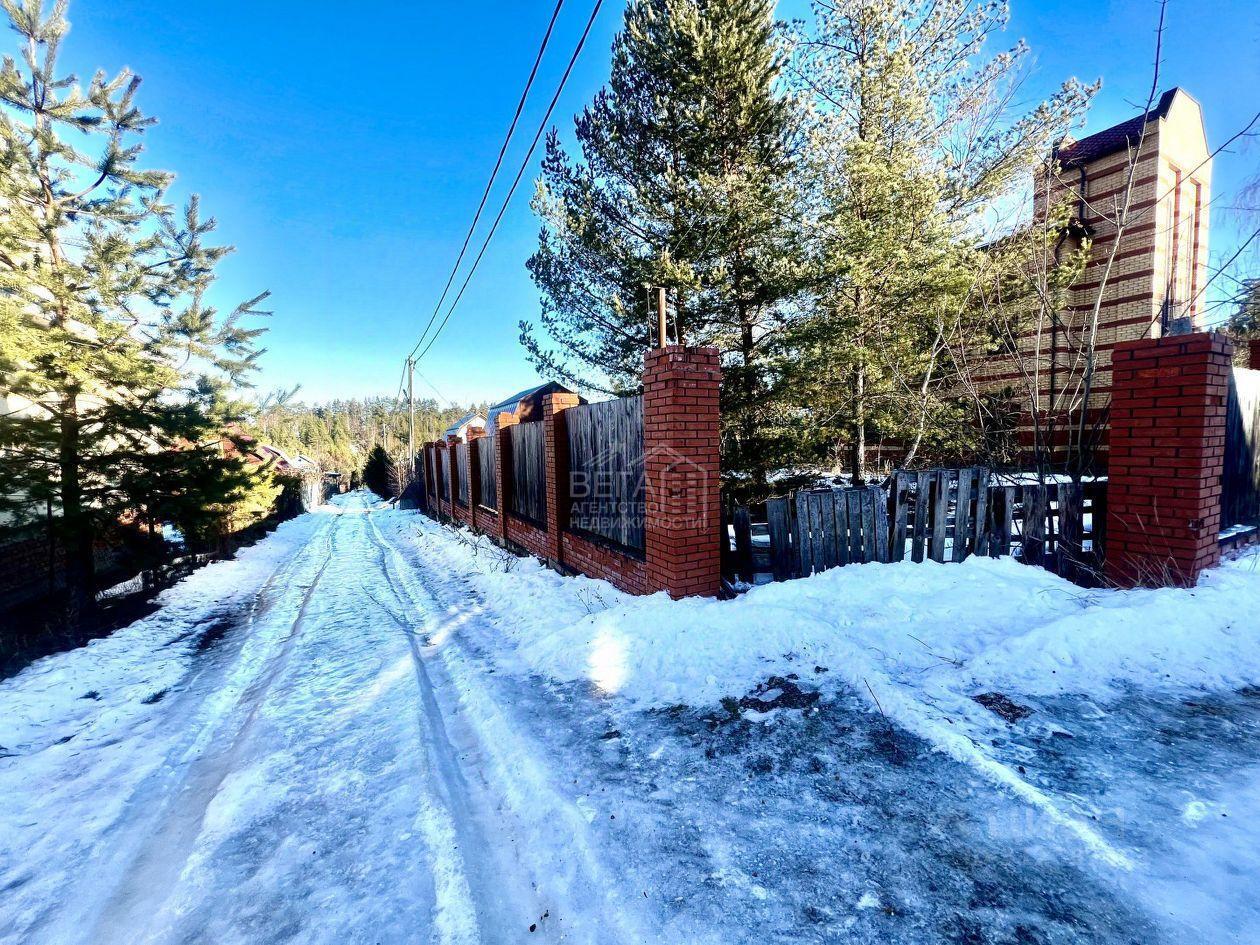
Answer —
290 778
368 729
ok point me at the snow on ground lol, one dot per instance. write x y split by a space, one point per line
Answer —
372 728
914 644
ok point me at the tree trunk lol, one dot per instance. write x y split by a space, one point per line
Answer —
75 522
859 428
748 421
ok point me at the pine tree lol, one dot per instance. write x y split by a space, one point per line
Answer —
1244 322
122 367
912 138
684 182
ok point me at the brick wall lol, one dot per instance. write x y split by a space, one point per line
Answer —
24 565
1168 421
680 454
680 468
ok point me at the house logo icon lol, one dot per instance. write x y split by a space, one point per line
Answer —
662 482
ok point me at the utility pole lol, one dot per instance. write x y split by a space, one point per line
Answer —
660 316
411 416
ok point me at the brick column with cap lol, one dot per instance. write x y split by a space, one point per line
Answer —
1168 423
503 467
681 470
556 453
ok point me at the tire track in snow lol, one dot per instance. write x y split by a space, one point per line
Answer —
160 821
581 896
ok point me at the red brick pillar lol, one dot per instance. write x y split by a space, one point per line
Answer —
1253 354
1168 416
503 466
556 451
681 471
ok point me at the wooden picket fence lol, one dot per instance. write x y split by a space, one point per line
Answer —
931 514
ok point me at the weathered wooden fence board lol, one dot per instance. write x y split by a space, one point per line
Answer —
742 526
461 474
444 476
941 514
486 460
606 482
779 526
529 472
1240 482
830 528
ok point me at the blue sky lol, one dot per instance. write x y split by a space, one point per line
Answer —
344 152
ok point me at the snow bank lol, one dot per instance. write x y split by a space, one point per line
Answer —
932 628
917 643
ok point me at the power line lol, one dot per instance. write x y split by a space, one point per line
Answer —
542 127
520 106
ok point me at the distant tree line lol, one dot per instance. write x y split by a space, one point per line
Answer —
340 434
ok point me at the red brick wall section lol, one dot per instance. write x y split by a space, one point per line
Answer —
628 574
1253 354
681 469
1168 419
524 534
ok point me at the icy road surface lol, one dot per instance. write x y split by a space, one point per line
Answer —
330 740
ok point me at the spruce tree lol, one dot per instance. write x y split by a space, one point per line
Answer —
684 181
379 472
116 369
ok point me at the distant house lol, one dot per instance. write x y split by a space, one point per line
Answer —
469 421
527 405
257 453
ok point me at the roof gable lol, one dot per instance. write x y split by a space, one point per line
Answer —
1121 137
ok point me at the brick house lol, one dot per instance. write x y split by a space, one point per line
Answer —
1151 280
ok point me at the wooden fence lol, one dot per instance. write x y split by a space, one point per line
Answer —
444 474
606 470
529 472
933 514
1240 483
485 448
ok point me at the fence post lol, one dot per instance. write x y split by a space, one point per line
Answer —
681 472
1253 354
503 467
556 453
1167 445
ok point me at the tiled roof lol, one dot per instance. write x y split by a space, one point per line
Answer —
1119 137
